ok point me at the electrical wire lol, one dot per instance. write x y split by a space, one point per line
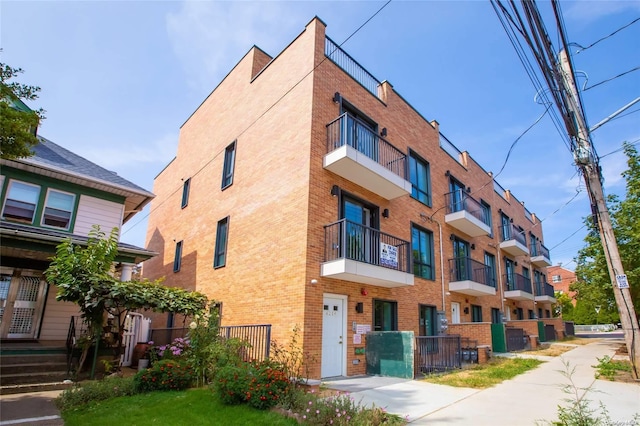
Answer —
635 142
256 120
565 240
612 78
605 37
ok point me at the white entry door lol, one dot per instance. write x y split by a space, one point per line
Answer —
455 313
333 336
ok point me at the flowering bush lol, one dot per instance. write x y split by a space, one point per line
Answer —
164 375
262 385
173 350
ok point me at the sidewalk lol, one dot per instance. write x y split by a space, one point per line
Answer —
35 408
530 397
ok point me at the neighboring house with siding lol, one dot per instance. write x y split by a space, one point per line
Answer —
47 198
303 194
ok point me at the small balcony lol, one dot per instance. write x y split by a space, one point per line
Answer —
518 287
467 215
540 256
357 153
468 276
514 241
357 253
545 293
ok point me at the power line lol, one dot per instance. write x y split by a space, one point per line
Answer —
605 37
635 142
565 240
612 78
258 118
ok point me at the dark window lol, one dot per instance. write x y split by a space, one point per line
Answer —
520 313
170 320
490 271
420 179
547 313
385 315
177 258
509 275
531 314
539 312
476 313
58 209
486 216
428 320
185 192
229 164
222 233
496 316
362 244
505 227
422 247
533 246
21 202
457 195
462 266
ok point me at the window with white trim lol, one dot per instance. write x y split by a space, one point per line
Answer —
21 202
58 209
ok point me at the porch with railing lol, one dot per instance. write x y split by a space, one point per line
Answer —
540 255
467 214
471 277
545 292
513 240
518 287
382 259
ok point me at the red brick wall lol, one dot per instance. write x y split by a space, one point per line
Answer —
478 331
280 200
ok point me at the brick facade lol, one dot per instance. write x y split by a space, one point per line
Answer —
280 201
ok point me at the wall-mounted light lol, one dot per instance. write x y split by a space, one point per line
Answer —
515 263
515 311
473 246
452 237
337 98
383 132
468 189
447 173
314 281
335 190
385 213
466 310
359 307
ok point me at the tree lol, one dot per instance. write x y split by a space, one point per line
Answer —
84 275
563 306
593 284
18 123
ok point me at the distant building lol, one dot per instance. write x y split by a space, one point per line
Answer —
561 278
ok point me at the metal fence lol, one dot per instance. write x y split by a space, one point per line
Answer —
516 340
436 354
341 58
257 337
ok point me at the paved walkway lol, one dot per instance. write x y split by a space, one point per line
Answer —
524 400
35 408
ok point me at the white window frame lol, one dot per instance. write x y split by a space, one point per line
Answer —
6 197
44 209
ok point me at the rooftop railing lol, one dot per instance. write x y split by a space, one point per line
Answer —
351 66
348 130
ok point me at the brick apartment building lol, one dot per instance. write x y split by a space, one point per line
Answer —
561 279
303 194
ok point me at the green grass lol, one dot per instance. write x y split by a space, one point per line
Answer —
192 407
609 369
486 375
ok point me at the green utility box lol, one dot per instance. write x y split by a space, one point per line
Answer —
390 353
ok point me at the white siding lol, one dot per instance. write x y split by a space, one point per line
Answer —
95 211
57 316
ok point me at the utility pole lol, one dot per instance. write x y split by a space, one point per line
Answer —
587 161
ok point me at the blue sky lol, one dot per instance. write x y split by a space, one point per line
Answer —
119 78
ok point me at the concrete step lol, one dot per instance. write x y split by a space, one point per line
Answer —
41 367
32 358
31 378
34 387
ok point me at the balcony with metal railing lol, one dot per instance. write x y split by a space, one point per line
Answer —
540 256
517 287
468 276
545 292
358 253
513 240
466 214
359 154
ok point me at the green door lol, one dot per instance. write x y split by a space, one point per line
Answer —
541 334
498 338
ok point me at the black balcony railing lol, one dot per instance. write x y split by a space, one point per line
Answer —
461 201
511 232
540 250
518 282
348 130
349 240
467 269
351 66
544 289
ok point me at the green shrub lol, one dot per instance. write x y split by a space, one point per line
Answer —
231 384
608 368
164 375
98 390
